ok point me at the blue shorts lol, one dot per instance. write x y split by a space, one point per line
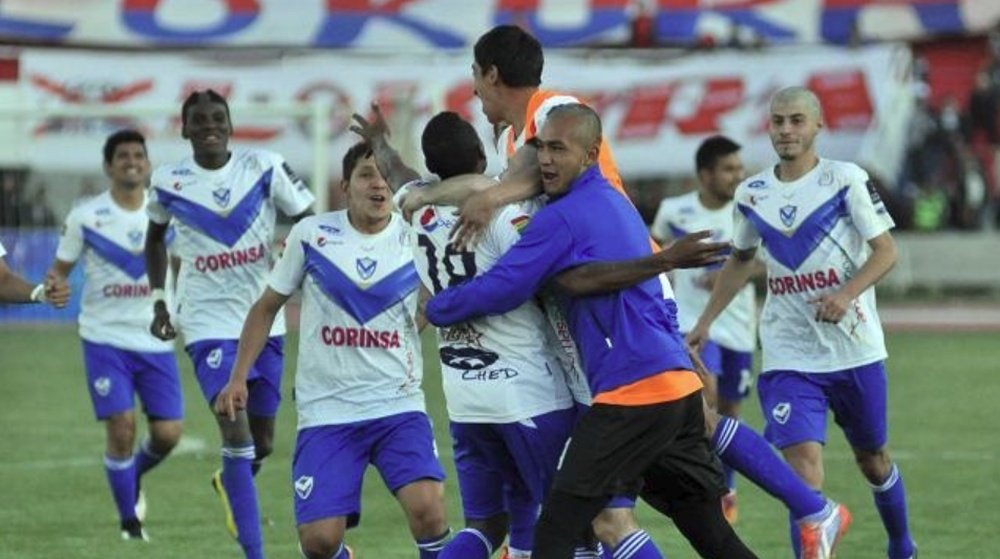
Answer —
794 405
214 359
499 461
115 376
732 369
330 462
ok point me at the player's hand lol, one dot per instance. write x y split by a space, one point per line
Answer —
372 131
697 337
231 400
831 307
412 201
57 291
691 251
475 215
161 326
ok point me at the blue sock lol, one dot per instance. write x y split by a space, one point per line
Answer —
467 544
430 548
748 453
522 516
238 481
796 535
121 478
890 500
145 458
637 545
588 553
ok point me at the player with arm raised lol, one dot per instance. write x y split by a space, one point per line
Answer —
826 242
357 382
122 359
223 204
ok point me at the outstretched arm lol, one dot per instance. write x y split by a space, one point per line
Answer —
602 277
390 164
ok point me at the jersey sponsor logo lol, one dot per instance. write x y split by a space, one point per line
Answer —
182 172
214 358
102 385
757 184
231 259
359 337
787 214
801 283
103 211
490 375
330 229
781 412
428 220
125 290
873 193
304 487
222 196
467 358
366 267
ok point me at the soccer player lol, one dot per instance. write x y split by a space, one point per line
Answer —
509 406
357 383
729 352
16 289
646 424
827 241
223 204
108 232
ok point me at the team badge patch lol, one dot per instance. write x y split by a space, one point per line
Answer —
214 359
222 196
102 386
304 487
135 237
787 214
781 412
366 267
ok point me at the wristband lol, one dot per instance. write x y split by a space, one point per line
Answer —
38 294
158 295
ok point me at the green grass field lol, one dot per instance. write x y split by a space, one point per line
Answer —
54 500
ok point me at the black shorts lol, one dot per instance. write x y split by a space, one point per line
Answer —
660 449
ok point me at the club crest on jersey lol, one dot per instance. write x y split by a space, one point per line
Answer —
222 196
304 487
366 267
214 359
781 412
787 214
135 237
429 220
102 386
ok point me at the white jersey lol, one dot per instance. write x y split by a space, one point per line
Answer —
495 369
814 232
359 349
3 251
115 307
224 220
679 216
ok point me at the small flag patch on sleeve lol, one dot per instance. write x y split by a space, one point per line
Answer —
520 222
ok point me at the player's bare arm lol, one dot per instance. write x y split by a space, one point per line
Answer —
15 289
423 296
734 275
376 133
256 328
156 269
601 277
832 307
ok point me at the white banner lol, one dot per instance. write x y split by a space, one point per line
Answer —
655 111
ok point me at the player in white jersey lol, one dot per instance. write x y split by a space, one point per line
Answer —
357 383
121 357
16 289
826 241
508 403
729 352
223 206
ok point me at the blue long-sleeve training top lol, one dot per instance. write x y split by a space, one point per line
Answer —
623 336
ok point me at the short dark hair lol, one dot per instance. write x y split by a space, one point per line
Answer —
712 149
356 153
451 146
515 53
195 96
122 137
588 122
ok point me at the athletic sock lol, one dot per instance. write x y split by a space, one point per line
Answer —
430 548
237 479
467 544
121 477
637 545
748 453
890 500
145 458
